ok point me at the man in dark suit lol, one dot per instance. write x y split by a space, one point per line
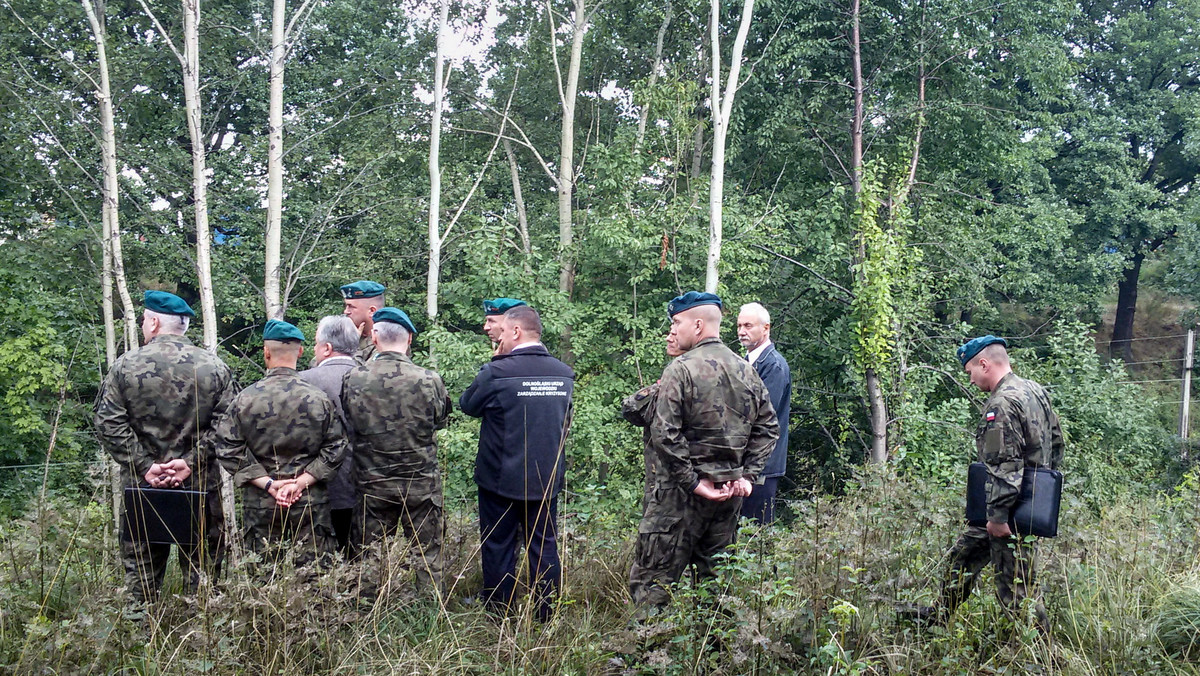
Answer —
754 333
336 344
524 397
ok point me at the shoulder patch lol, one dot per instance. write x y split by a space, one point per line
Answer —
991 415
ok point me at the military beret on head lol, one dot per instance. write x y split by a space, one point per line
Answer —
281 331
396 316
498 306
690 300
363 289
974 346
166 303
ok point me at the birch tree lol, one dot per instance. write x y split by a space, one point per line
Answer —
435 171
282 33
721 105
566 153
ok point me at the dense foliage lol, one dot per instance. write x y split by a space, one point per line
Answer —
1026 166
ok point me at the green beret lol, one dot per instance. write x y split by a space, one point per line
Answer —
967 352
690 300
281 331
166 303
363 289
498 306
396 316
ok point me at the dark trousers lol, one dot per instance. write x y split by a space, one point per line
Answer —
760 505
501 521
342 520
146 564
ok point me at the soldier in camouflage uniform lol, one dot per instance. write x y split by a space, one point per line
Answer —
1018 429
638 408
362 299
396 408
155 415
282 441
711 433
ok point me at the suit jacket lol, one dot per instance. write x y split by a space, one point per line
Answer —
777 376
328 376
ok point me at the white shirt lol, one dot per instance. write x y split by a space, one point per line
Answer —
758 351
524 346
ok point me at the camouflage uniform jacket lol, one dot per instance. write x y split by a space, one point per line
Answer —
396 408
1018 429
161 402
638 408
281 427
366 349
713 418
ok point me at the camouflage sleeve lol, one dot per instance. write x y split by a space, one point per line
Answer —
333 447
442 404
764 433
1002 442
666 428
232 451
1057 444
638 407
208 437
114 430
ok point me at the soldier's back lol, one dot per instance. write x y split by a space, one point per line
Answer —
283 419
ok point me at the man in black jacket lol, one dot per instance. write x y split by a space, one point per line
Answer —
524 398
754 333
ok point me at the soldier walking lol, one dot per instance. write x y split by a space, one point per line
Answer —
282 441
712 429
396 408
155 416
1018 429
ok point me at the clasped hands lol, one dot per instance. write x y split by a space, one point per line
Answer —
169 474
287 491
740 488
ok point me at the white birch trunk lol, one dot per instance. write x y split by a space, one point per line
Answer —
113 265
435 171
273 234
566 154
722 110
519 200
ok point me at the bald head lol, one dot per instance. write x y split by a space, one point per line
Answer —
989 367
694 325
282 353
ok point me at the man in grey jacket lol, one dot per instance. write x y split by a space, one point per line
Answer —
336 343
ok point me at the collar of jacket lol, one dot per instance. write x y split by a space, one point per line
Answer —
340 359
170 338
706 341
393 356
538 349
280 371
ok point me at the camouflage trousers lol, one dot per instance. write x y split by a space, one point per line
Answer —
1012 566
304 527
678 529
414 505
146 564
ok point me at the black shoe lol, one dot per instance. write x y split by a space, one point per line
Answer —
921 616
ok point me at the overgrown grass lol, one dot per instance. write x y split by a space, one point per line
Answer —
816 596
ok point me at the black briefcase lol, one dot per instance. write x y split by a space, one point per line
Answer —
1037 507
165 516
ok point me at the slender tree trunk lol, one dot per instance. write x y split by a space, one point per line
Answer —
874 387
191 100
519 200
1127 292
111 246
722 111
702 65
644 115
566 154
271 289
435 171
